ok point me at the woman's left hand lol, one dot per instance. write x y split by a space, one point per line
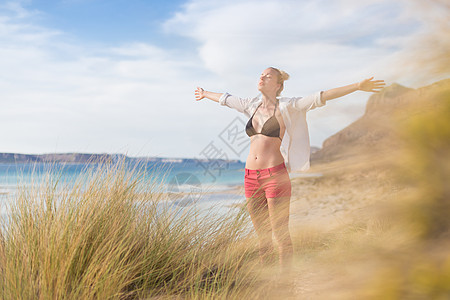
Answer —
369 85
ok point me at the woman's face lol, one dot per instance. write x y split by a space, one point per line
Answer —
268 82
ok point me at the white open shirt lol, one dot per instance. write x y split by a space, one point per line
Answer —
295 146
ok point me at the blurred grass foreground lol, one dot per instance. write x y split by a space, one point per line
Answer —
418 266
422 166
392 169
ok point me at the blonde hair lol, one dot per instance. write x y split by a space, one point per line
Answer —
282 77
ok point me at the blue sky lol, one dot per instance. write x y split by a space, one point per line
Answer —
109 22
118 76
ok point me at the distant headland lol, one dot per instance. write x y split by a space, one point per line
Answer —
85 158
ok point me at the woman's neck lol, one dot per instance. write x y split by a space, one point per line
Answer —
269 100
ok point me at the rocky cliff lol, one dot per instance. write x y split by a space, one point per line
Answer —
376 129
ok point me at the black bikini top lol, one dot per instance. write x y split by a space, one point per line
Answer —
270 128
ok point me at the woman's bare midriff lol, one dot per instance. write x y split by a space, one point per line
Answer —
264 152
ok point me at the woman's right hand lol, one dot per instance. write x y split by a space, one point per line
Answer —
370 85
199 94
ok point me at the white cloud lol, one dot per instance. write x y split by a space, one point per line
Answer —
320 39
322 44
57 95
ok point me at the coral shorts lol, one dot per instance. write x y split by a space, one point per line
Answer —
271 182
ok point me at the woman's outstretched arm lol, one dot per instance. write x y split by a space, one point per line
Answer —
367 85
201 93
238 103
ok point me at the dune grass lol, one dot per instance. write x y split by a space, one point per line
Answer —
112 235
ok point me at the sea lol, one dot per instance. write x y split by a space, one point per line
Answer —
213 186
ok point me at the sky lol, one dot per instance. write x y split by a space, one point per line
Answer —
118 76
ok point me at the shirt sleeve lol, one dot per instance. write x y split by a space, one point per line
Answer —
240 104
309 102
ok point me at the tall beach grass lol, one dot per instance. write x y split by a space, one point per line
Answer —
113 235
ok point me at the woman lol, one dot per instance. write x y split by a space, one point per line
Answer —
279 143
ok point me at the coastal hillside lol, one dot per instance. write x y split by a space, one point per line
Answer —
84 158
57 157
375 131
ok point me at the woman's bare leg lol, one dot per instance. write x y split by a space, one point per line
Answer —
279 219
259 213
